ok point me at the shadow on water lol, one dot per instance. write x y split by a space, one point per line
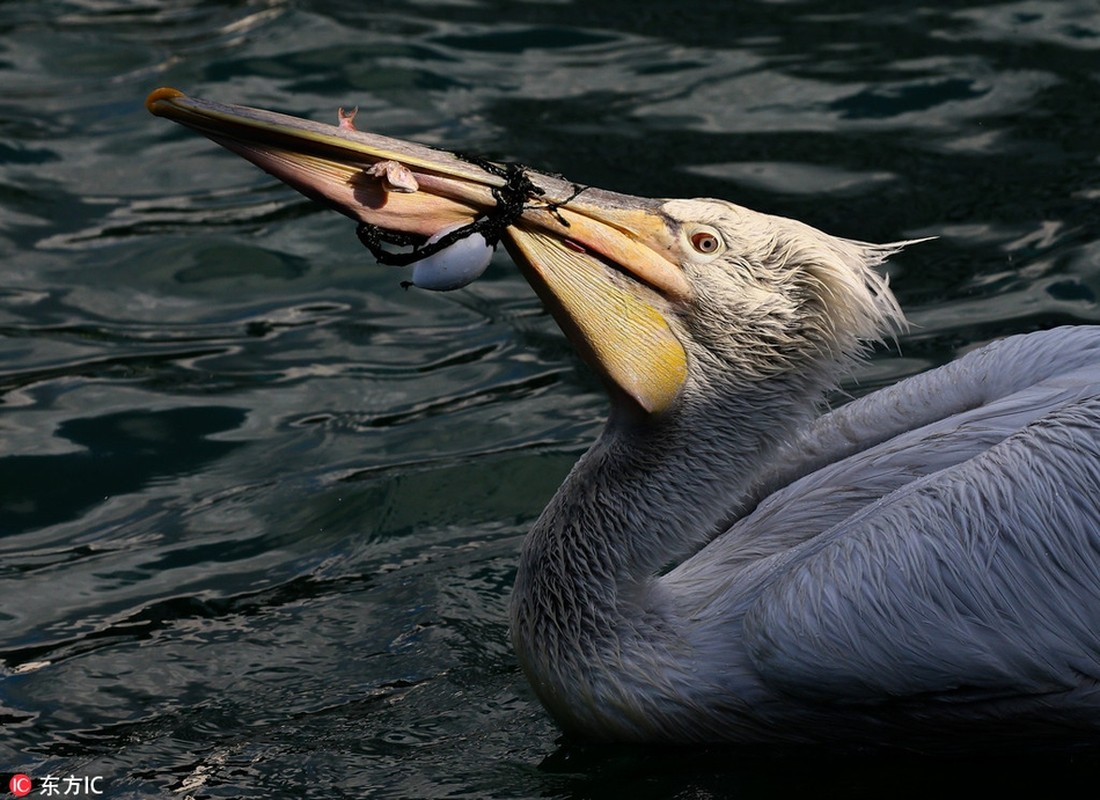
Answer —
581 772
119 453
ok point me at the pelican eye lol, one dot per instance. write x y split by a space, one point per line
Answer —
705 242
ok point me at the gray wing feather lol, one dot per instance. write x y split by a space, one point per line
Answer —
982 577
873 446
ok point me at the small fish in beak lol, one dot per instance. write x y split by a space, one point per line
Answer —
457 254
453 267
395 176
346 119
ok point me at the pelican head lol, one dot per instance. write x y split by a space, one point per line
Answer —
771 297
666 299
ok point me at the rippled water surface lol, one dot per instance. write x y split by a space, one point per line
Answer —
260 508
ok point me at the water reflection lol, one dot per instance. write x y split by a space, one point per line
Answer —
116 454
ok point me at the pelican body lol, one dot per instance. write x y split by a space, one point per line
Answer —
919 568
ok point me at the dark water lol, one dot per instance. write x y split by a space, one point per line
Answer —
260 508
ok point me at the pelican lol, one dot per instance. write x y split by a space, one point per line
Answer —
730 561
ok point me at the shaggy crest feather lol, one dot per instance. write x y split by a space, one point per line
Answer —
783 296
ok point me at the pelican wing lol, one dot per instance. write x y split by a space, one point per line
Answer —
979 577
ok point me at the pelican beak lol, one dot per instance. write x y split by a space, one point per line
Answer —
603 263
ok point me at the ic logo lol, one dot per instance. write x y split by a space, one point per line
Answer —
20 785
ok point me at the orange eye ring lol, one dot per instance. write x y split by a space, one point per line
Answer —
705 242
